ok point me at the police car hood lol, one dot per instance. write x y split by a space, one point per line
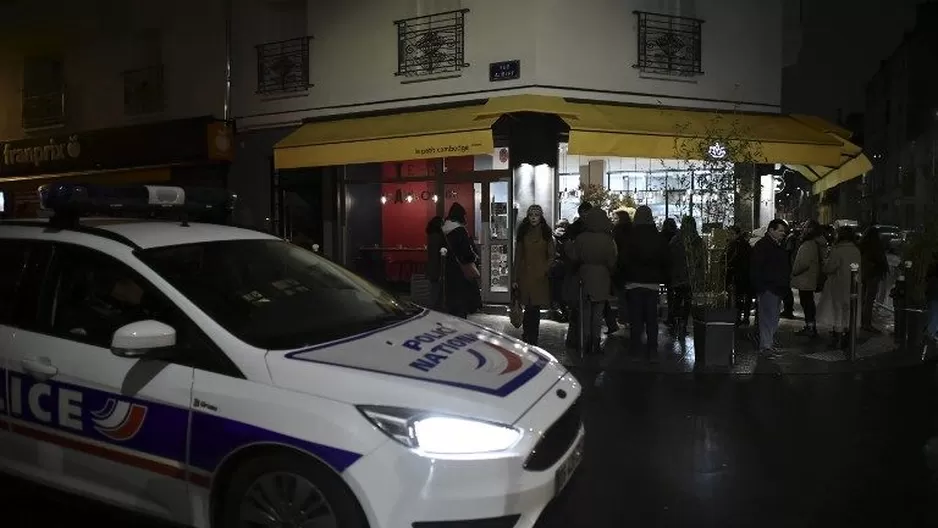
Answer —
431 362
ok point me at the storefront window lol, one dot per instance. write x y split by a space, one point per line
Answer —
671 188
388 207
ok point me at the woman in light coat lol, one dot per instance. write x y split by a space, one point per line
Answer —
837 267
806 273
534 252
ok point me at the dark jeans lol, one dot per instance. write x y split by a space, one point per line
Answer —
788 301
670 300
806 298
643 316
531 325
743 299
870 289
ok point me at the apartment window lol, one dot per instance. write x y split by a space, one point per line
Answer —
144 84
432 45
283 66
43 92
669 45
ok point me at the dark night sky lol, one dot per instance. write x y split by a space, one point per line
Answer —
843 42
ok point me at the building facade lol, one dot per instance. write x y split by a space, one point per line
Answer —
111 91
516 103
901 128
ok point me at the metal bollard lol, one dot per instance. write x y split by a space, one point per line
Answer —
854 310
581 319
899 302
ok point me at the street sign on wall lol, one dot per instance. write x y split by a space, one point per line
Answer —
505 70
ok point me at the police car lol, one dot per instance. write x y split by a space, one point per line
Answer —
217 376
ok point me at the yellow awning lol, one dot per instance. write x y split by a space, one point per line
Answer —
398 137
853 162
643 132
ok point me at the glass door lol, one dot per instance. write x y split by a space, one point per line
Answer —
496 239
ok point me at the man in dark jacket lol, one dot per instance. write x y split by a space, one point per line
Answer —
770 271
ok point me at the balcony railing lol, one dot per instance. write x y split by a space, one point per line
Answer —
143 91
44 109
431 45
668 45
283 67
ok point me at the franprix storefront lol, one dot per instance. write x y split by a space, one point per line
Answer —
192 152
386 176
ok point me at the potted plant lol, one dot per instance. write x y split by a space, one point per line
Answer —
609 201
717 163
921 252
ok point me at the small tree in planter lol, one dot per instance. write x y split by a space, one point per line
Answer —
714 154
609 201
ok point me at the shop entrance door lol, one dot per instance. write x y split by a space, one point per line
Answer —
496 239
490 224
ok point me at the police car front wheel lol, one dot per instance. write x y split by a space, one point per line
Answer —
288 490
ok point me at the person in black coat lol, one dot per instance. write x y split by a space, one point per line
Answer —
770 274
738 256
462 293
645 269
622 234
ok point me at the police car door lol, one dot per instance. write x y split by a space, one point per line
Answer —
108 426
22 269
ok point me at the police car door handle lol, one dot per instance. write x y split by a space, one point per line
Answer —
40 368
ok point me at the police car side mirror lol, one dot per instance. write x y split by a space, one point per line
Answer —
143 340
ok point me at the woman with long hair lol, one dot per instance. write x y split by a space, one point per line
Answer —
534 252
461 273
807 275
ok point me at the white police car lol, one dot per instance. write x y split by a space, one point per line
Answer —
218 376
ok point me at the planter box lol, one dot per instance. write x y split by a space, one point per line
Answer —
714 336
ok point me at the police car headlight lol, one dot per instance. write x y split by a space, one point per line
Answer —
437 434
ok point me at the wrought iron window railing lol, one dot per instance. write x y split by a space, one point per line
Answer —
283 67
431 45
144 91
668 45
46 109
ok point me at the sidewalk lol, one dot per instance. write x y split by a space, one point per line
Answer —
797 355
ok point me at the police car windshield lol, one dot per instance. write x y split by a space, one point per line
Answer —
274 295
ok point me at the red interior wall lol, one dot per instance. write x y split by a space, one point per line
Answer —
403 224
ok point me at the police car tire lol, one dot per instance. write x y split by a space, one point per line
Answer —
347 511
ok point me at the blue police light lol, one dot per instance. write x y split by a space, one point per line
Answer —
148 200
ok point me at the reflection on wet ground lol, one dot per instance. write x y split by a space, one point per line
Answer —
710 450
716 450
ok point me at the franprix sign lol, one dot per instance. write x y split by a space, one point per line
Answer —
40 155
151 144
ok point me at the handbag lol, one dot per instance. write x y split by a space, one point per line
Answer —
469 269
516 311
821 276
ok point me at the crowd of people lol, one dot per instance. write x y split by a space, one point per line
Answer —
579 269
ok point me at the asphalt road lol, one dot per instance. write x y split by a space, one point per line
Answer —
680 450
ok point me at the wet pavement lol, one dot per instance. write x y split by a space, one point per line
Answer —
675 448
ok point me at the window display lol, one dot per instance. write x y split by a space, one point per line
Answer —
668 187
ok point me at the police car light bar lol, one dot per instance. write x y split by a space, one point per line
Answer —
82 200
